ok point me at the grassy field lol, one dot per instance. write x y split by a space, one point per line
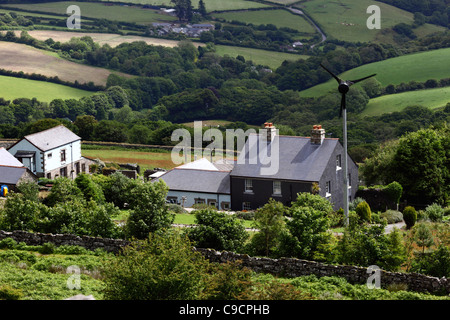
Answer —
111 39
346 19
100 11
271 59
280 18
20 57
431 98
12 88
211 5
418 67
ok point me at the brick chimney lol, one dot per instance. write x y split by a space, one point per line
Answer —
317 134
271 131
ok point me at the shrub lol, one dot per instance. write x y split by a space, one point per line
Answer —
8 243
176 208
392 216
245 215
434 212
314 201
352 205
363 211
47 248
409 216
9 293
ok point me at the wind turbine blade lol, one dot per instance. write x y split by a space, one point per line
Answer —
355 81
343 106
334 76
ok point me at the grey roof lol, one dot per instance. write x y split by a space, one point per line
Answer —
7 159
299 160
52 138
11 175
197 180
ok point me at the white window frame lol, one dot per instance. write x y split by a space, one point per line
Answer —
338 162
276 190
246 206
327 189
248 186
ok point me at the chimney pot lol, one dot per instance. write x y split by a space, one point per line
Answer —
317 134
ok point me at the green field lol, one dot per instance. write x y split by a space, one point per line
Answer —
347 19
12 88
211 5
280 18
100 11
430 98
418 67
268 58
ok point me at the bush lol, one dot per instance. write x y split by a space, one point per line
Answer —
434 212
363 211
409 216
392 216
47 248
9 293
176 208
245 215
8 243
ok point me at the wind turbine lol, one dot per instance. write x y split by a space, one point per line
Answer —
344 87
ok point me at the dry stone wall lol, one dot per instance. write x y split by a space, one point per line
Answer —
288 267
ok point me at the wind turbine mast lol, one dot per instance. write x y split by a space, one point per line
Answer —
343 88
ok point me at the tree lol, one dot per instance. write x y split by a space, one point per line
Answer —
202 8
149 210
183 8
162 267
86 125
270 222
63 190
217 230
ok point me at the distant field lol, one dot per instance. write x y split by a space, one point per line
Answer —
100 11
280 18
346 19
12 88
417 66
211 5
20 57
102 38
264 57
431 98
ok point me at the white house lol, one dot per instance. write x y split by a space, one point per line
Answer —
12 171
52 153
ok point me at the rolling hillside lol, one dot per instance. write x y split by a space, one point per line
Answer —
418 67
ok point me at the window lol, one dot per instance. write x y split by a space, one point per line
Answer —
49 156
172 199
277 188
338 162
349 180
63 172
63 155
225 206
248 185
49 176
199 201
328 189
246 206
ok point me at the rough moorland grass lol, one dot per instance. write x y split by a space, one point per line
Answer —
417 66
280 18
347 19
12 88
430 98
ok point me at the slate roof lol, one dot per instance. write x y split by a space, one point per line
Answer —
7 159
52 138
197 180
11 175
299 160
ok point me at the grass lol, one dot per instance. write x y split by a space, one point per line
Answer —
12 88
99 11
272 59
430 98
417 66
347 19
211 5
280 18
20 57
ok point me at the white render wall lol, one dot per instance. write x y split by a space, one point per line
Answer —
191 196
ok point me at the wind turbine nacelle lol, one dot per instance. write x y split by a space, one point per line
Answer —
343 88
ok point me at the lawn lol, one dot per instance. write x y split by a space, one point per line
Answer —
12 88
347 19
20 57
280 18
431 98
417 66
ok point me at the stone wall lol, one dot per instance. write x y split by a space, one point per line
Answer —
291 267
91 243
288 267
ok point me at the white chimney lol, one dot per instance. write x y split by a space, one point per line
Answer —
317 134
